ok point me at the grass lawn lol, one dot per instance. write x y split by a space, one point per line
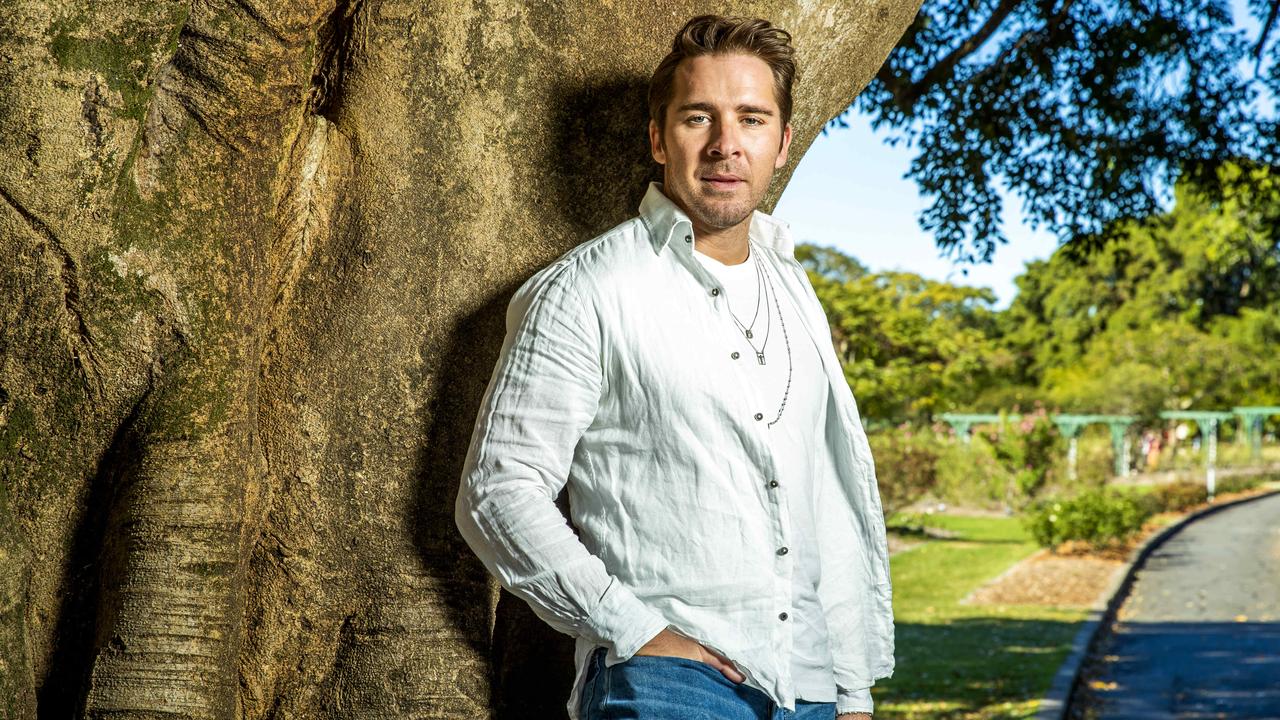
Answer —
961 661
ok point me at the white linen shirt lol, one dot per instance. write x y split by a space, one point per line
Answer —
616 380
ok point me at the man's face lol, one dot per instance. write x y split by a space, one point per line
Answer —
723 138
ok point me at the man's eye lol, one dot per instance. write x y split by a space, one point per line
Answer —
755 121
695 117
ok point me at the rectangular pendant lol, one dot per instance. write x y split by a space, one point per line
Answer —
760 357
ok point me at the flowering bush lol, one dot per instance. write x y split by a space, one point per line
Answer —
1028 449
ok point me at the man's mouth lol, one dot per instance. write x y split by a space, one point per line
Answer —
721 181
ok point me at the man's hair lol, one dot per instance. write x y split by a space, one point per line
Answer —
720 35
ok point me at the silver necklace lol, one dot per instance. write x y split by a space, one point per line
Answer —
790 365
745 330
759 290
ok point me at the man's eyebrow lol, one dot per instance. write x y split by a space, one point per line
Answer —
708 107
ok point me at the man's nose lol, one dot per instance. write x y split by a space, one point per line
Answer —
725 140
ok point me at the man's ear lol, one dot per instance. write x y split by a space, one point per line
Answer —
786 143
655 143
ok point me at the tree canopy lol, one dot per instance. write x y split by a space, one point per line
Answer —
1087 109
1180 310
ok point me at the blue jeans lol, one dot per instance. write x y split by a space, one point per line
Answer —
661 687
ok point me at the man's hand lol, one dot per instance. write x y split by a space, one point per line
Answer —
854 716
672 644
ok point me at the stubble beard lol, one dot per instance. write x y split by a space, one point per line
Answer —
722 213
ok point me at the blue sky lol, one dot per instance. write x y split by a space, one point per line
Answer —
849 192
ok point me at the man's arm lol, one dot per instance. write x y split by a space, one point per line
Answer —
542 396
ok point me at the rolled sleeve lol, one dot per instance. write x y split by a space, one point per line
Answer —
849 701
542 396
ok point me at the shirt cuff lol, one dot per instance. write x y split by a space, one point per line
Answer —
623 620
848 701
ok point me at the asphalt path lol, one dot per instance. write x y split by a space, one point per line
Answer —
1199 634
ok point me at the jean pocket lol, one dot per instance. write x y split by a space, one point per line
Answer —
591 697
677 659
662 664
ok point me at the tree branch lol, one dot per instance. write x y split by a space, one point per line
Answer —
910 92
1266 33
1050 27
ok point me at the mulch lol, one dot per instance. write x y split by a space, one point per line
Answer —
1045 578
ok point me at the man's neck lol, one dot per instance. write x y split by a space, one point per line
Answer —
728 245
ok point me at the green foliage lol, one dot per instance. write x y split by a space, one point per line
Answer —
1081 108
970 474
1099 517
1177 496
1239 483
1027 450
830 264
906 462
1181 310
910 347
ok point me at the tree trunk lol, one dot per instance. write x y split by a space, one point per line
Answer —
258 257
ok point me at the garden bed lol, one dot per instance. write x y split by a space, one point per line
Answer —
1074 574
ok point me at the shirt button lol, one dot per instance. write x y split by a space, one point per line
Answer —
782 551
734 354
773 483
759 416
688 238
715 291
782 616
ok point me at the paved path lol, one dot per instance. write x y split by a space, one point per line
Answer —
1199 634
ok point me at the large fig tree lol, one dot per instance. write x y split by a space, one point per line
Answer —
256 258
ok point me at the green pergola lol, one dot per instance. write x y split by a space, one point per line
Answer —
1069 425
1251 417
1208 420
963 422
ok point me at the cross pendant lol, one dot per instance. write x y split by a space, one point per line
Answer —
760 357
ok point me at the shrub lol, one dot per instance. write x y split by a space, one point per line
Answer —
1178 496
1099 517
906 465
1237 483
1027 449
1095 461
970 474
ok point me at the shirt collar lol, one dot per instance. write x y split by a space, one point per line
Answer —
665 220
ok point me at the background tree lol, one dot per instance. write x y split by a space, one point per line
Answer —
1084 108
1181 310
258 257
911 347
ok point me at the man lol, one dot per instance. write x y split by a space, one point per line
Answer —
676 374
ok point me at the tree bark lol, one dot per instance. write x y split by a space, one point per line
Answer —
258 257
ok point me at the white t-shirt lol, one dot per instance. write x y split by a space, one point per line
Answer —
775 325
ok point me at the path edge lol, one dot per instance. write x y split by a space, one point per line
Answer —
1055 703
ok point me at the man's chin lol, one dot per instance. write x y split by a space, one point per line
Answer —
729 212
724 220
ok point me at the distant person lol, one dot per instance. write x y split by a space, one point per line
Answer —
676 374
1154 448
